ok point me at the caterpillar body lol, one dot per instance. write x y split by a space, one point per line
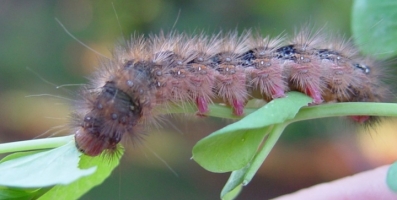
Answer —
228 68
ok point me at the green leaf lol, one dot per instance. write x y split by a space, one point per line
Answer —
20 193
56 166
233 194
33 172
243 176
236 180
17 193
234 146
104 167
19 154
29 145
391 179
228 151
374 27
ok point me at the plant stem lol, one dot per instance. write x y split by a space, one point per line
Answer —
259 158
36 144
346 109
306 113
215 110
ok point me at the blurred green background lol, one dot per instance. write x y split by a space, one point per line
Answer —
30 104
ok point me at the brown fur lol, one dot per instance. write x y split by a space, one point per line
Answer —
176 68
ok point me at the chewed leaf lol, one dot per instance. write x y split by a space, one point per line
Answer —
374 28
233 147
48 168
104 167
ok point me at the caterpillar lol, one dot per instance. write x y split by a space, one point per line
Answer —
231 68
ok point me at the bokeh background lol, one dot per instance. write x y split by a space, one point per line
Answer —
36 54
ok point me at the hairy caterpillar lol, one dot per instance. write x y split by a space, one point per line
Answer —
228 68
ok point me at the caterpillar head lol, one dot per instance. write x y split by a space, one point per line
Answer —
112 114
